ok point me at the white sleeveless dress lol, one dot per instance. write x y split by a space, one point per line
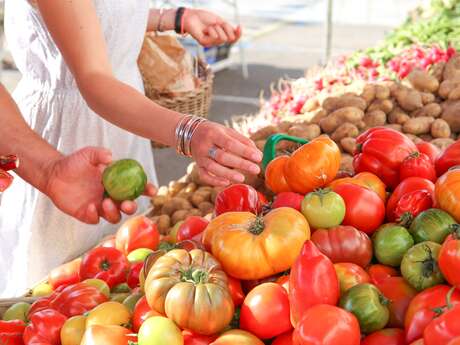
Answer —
34 235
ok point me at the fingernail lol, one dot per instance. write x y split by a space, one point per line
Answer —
255 170
239 178
257 156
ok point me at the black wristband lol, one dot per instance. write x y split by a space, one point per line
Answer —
178 20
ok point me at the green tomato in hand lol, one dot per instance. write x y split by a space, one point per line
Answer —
323 209
391 242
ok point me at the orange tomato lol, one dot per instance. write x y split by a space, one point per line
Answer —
107 335
447 192
274 175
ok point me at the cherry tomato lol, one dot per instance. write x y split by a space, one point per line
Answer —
265 311
387 336
192 229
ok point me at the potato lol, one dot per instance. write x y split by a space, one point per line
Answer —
264 133
418 125
409 99
175 187
397 116
163 224
310 104
361 125
345 130
205 208
200 197
346 163
174 205
375 118
163 191
284 126
308 132
317 115
427 97
159 200
432 110
382 92
194 212
454 94
415 139
437 70
331 104
179 215
190 188
394 126
442 144
369 93
450 114
348 114
446 87
440 129
423 81
452 69
385 105
348 144
426 137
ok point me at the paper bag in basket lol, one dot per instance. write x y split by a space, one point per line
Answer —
166 66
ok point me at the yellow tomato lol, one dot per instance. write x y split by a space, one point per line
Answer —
109 313
158 330
237 336
42 290
73 330
99 284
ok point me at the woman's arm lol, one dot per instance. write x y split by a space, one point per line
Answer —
76 30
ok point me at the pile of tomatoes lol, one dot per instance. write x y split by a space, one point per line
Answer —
370 259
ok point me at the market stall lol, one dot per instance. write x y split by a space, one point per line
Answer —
350 235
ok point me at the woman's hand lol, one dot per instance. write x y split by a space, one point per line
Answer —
75 187
208 28
220 151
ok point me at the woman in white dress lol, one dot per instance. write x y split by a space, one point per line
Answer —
81 86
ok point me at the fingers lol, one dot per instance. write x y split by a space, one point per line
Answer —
245 140
207 178
230 32
232 145
110 211
222 35
150 190
91 215
128 207
97 155
230 160
221 171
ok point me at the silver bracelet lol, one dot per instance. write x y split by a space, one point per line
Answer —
184 132
179 132
189 136
186 138
192 134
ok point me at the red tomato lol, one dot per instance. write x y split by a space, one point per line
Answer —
381 152
448 159
284 339
312 281
400 294
429 149
365 210
142 312
327 325
108 264
137 232
77 299
410 205
349 275
238 197
284 282
248 285
234 285
444 328
417 165
455 341
410 184
44 328
133 274
11 338
422 308
265 311
378 273
388 336
418 342
191 338
192 229
449 258
65 274
11 332
288 199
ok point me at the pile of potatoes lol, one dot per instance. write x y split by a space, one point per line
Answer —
425 106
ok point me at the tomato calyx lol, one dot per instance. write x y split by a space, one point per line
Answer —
257 227
455 231
441 310
194 276
383 300
321 193
166 246
105 265
429 265
413 155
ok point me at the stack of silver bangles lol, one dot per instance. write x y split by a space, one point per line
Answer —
184 133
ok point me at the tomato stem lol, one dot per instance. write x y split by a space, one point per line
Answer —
455 230
195 276
406 219
105 265
449 304
166 246
383 300
258 226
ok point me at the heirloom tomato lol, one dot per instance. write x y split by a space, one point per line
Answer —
369 306
238 198
365 210
381 151
191 289
424 308
191 338
137 232
391 242
192 229
432 225
445 327
274 175
448 159
65 274
234 286
419 165
429 149
399 294
253 247
448 193
265 311
73 330
366 180
323 209
142 312
419 265
108 335
344 244
158 330
107 264
449 258
387 336
44 328
284 339
411 205
237 336
312 281
327 325
288 199
350 275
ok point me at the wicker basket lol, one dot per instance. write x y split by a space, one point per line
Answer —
196 102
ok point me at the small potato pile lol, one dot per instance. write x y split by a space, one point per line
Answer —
425 106
183 198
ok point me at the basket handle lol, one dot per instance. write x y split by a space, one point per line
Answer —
270 146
